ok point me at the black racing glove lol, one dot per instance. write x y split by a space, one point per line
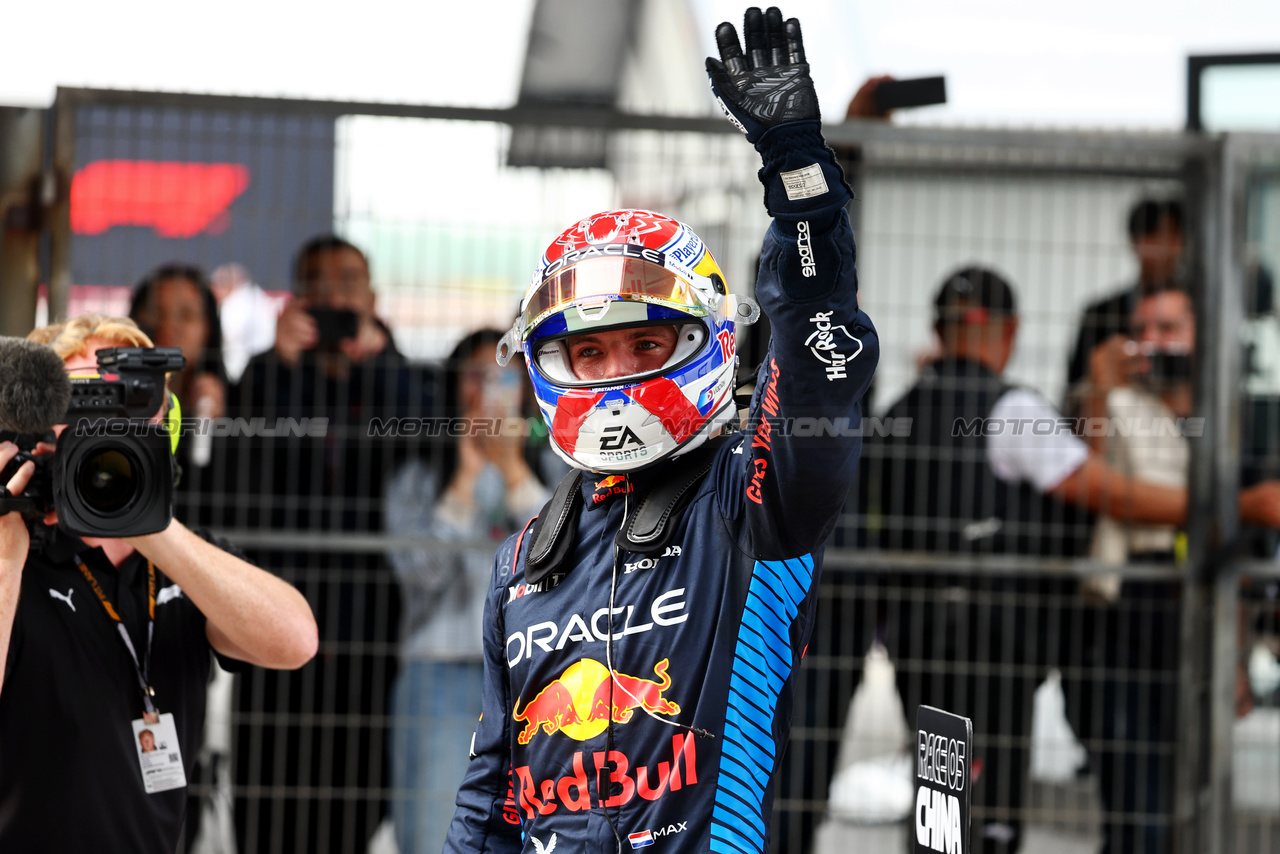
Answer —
768 94
769 85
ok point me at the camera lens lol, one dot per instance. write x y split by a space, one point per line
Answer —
107 480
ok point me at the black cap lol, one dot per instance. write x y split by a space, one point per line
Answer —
972 295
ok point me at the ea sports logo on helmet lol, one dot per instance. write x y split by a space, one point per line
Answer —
604 229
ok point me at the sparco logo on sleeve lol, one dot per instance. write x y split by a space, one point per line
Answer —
832 344
804 244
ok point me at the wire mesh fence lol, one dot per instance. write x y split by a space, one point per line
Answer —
1075 643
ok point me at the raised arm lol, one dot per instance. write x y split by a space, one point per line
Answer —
807 410
1101 489
252 615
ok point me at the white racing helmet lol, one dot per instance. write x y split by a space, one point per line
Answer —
616 270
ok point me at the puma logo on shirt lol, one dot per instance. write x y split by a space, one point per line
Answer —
64 597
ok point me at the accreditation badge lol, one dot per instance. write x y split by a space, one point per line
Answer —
158 754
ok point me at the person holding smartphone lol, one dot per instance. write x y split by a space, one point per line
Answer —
483 489
333 376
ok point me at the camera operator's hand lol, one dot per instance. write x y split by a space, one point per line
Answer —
769 85
296 332
14 539
250 614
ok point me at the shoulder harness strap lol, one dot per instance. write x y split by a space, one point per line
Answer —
652 526
649 530
554 529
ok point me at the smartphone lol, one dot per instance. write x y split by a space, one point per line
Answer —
919 92
1170 367
334 324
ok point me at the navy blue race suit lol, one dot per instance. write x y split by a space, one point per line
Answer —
681 749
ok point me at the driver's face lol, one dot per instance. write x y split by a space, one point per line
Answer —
620 352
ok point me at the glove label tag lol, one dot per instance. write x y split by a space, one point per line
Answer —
804 183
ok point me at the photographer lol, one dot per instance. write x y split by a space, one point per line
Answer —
101 638
331 316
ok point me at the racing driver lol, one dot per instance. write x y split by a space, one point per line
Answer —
641 636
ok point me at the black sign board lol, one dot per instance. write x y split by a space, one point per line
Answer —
944 750
154 185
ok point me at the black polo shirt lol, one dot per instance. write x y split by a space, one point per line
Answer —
69 773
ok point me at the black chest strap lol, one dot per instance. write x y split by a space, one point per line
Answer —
649 530
555 529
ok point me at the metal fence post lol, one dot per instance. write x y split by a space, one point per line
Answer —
1210 612
20 147
59 222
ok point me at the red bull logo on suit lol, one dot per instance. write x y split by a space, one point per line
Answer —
583 699
614 772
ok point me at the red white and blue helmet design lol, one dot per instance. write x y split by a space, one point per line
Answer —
616 270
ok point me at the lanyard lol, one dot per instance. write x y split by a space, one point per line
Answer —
141 669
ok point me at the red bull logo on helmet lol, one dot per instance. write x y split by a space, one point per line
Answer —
583 700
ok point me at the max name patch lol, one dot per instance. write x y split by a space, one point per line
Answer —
804 183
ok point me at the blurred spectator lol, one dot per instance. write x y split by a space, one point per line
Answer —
484 491
330 322
1148 401
986 468
1126 695
331 394
176 307
1139 629
1157 238
972 643
248 317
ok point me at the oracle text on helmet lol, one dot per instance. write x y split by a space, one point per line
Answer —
623 250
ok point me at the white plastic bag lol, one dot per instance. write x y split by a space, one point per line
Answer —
1056 754
876 725
873 769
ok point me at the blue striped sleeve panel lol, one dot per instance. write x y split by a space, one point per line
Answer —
761 665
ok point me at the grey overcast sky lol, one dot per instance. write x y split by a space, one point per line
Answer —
1091 63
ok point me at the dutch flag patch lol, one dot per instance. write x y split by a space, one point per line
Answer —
642 839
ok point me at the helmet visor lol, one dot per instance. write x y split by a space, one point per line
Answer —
591 284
